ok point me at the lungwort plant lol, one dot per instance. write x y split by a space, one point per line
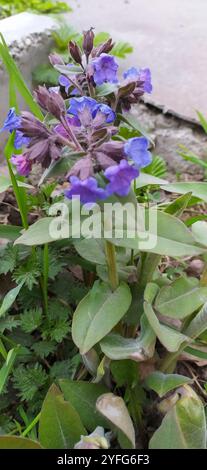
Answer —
99 320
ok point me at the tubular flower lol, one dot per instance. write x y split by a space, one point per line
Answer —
104 69
120 177
87 190
136 149
22 163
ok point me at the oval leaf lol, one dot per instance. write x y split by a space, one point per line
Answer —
98 313
197 189
114 409
171 339
117 347
83 396
181 298
60 425
183 427
164 383
9 299
16 442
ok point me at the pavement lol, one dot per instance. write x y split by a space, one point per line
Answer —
169 36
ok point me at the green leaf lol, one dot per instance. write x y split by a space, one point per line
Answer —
101 37
199 230
125 373
10 232
93 319
7 367
61 166
167 235
92 250
183 427
17 442
197 189
68 71
132 122
106 89
5 183
83 396
117 347
37 234
115 411
170 338
203 121
121 49
31 319
8 259
179 205
9 299
45 74
28 380
60 425
157 167
198 325
181 298
164 383
144 179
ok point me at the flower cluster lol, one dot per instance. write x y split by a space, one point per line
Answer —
102 164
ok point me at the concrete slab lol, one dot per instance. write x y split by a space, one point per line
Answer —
169 36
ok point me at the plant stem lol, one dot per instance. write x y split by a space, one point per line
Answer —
45 276
71 134
203 280
169 362
111 262
31 425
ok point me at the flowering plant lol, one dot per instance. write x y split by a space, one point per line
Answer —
125 338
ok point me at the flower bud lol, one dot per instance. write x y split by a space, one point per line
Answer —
88 37
106 47
51 102
75 52
55 59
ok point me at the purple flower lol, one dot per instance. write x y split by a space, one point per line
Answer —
137 150
22 164
20 140
141 75
12 121
65 82
87 109
104 69
87 190
120 177
107 113
60 129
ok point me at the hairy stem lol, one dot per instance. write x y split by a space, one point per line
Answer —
111 262
45 276
71 134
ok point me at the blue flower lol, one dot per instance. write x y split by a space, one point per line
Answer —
106 111
87 190
20 140
22 163
120 177
104 69
142 75
12 121
87 109
136 149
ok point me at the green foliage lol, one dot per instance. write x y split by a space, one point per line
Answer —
106 319
31 320
8 259
12 7
28 380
